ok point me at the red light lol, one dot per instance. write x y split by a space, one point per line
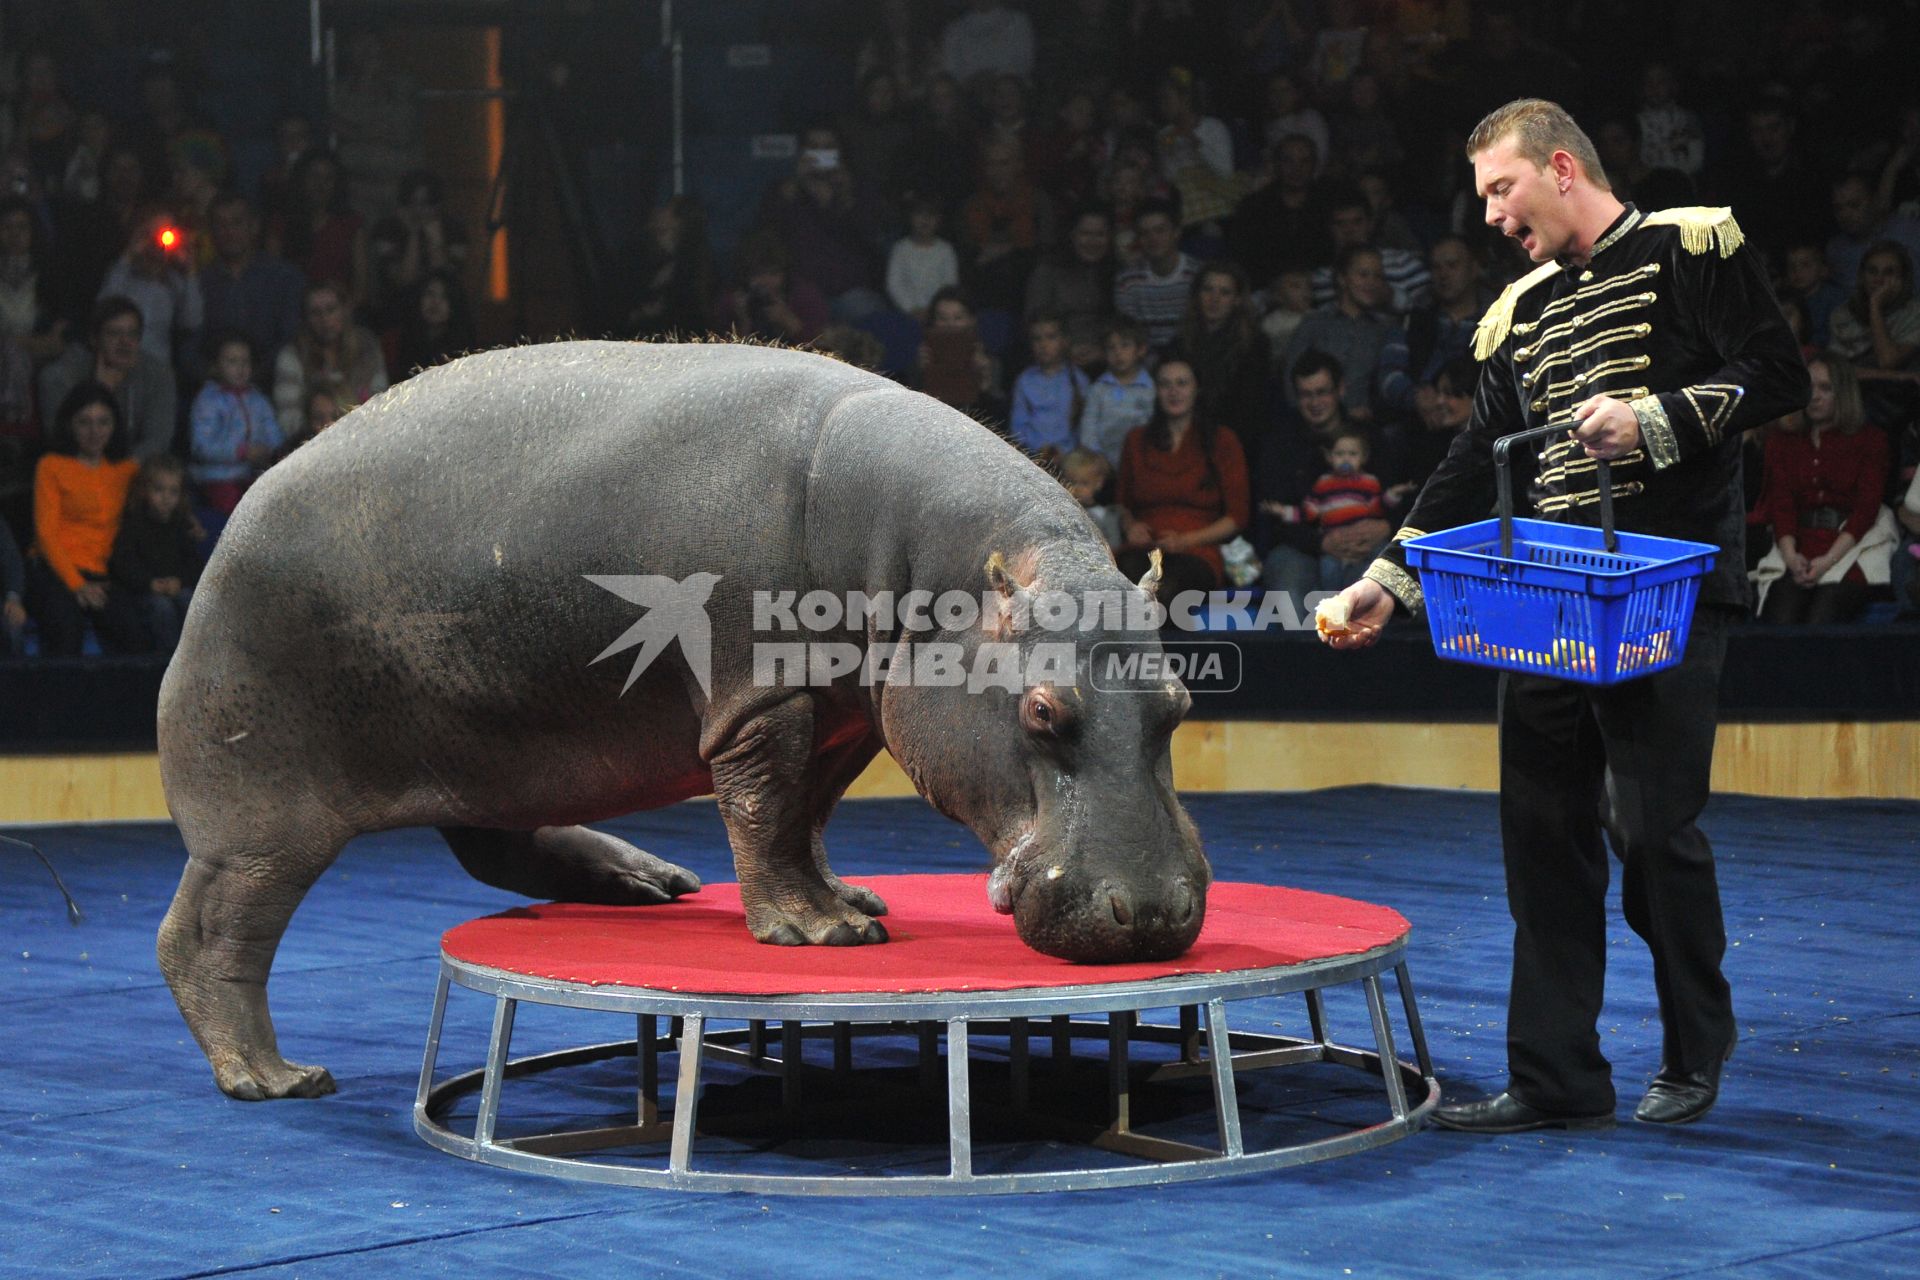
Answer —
168 237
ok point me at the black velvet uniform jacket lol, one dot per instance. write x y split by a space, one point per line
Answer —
1672 315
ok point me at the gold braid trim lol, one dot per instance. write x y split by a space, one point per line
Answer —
1701 228
1400 584
1656 431
1494 326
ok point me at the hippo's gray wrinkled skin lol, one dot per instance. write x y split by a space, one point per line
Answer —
397 630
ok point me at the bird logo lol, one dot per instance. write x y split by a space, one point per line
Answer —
676 610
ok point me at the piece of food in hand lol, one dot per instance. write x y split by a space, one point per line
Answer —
1331 617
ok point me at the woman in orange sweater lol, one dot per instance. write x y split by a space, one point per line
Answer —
1183 487
79 490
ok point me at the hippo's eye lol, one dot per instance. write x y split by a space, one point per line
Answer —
1042 712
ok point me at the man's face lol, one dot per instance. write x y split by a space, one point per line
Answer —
1770 134
1364 282
1091 239
1295 163
1806 268
235 230
1454 271
1350 226
1319 397
119 341
1853 208
1155 233
1523 200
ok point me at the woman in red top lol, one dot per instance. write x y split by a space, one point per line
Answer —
1183 488
1822 495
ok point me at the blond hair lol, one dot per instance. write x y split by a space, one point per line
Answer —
1539 128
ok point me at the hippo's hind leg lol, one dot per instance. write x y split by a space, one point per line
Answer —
836 772
243 879
768 786
568 864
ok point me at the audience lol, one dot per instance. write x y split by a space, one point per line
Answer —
1182 488
155 562
244 289
141 383
1153 291
80 490
234 431
329 351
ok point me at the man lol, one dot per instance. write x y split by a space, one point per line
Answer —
1153 291
827 223
1290 460
1350 226
1660 337
1353 328
142 383
1436 334
248 291
1775 188
1282 225
1860 222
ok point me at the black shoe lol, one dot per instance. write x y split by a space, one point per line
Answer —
1507 1114
1681 1097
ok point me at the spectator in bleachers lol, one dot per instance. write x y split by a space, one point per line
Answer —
1004 224
141 384
1345 494
167 129
899 47
1436 334
322 410
292 139
1860 222
1182 488
1779 195
1878 328
376 120
1616 138
1905 569
770 302
874 135
1082 43
1286 114
1350 225
1390 229
1291 461
79 491
673 290
1048 394
93 234
30 330
1076 283
1339 49
438 327
1067 157
318 232
13 593
1411 450
155 563
1086 473
1825 476
1187 137
1809 279
942 132
1229 358
245 289
234 431
855 346
922 262
47 120
1121 398
1289 299
1153 291
413 242
1175 33
1365 136
330 351
1353 328
954 367
157 272
1671 137
80 179
1004 112
1282 225
1127 187
829 225
990 38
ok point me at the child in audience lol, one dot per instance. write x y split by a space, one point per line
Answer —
1121 398
155 566
1048 393
921 264
13 592
954 367
1086 474
1290 298
1345 492
235 432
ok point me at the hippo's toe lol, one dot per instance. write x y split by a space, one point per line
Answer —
782 933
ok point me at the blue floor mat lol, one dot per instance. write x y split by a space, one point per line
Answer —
118 1157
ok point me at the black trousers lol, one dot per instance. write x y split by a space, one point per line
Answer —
1635 760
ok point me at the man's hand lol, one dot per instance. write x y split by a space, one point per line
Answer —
1607 427
1369 606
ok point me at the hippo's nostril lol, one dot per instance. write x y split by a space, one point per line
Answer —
1122 914
1180 904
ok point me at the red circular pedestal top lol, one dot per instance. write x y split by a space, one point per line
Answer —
944 936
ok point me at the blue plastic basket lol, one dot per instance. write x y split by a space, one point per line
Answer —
1571 601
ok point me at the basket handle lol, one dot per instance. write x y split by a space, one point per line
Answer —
1504 445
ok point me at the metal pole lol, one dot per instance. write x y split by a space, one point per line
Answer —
679 122
313 32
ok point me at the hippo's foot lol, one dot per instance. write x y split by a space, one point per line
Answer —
823 922
865 901
258 1077
568 864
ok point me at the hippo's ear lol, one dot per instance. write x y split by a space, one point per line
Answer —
998 576
999 616
1150 580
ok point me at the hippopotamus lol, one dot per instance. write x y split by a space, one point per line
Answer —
428 616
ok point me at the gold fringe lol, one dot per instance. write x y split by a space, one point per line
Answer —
1494 326
1701 228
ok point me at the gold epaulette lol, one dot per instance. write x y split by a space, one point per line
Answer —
1493 327
1701 227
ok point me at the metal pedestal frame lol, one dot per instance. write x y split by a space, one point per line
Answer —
1207 1046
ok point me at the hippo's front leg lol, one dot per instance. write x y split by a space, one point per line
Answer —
763 778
